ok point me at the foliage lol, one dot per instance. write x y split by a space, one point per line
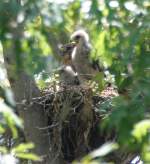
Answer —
100 152
119 32
9 121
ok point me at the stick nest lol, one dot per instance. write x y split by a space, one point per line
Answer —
74 113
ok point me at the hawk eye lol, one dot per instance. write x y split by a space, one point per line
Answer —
77 37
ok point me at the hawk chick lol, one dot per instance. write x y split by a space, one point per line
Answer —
68 75
81 57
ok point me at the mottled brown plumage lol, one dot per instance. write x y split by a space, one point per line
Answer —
66 51
67 72
81 57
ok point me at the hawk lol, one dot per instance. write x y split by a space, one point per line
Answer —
81 57
67 72
66 51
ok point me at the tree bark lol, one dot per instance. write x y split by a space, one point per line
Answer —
25 90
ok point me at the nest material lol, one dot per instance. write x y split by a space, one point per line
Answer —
73 115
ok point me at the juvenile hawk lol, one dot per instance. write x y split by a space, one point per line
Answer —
81 57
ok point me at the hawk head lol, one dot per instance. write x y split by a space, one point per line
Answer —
66 51
67 48
80 35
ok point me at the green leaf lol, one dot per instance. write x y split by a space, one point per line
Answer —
10 96
104 150
28 156
22 151
11 118
9 113
23 147
2 130
146 153
141 129
3 149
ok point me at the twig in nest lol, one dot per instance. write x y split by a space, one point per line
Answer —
48 127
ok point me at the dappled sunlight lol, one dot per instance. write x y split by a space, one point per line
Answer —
77 73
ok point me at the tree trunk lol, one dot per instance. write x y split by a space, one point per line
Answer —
25 90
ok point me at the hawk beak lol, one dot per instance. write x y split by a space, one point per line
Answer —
74 42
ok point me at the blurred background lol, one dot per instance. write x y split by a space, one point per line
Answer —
120 36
